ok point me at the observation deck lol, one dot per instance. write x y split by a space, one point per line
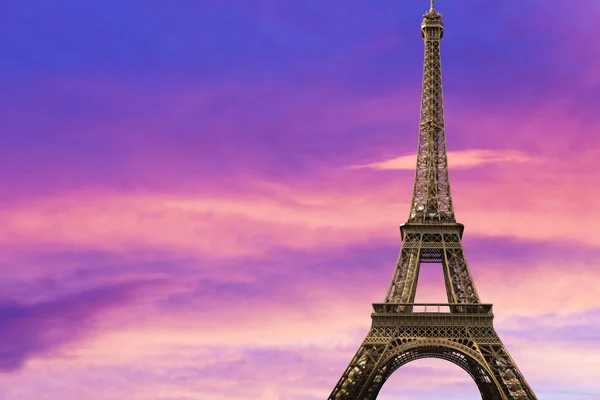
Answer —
423 314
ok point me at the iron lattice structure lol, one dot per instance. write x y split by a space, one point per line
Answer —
461 331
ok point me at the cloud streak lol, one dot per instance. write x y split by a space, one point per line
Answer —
462 159
38 329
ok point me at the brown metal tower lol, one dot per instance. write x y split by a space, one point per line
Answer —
461 331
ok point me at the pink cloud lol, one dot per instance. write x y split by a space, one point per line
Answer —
361 206
456 159
314 325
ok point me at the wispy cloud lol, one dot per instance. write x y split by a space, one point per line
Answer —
456 159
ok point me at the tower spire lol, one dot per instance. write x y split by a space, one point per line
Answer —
431 202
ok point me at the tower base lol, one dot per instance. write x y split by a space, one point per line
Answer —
460 333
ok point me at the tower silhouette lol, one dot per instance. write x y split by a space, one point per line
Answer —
460 331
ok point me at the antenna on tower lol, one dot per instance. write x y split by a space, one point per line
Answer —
432 5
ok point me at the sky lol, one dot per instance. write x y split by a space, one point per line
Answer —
200 200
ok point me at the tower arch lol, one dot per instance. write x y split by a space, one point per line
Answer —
464 357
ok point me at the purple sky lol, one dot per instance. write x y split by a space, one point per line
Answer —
201 200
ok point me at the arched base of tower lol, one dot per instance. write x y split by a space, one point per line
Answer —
482 378
466 338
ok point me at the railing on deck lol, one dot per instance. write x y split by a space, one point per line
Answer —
441 308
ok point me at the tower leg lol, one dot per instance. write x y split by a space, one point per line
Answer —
358 372
404 282
459 283
506 372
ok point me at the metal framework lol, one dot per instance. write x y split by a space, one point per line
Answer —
460 331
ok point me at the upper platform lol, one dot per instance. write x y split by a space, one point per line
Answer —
432 26
433 314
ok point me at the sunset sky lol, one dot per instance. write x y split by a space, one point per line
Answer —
200 200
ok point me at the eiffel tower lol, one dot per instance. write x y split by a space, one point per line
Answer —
461 331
